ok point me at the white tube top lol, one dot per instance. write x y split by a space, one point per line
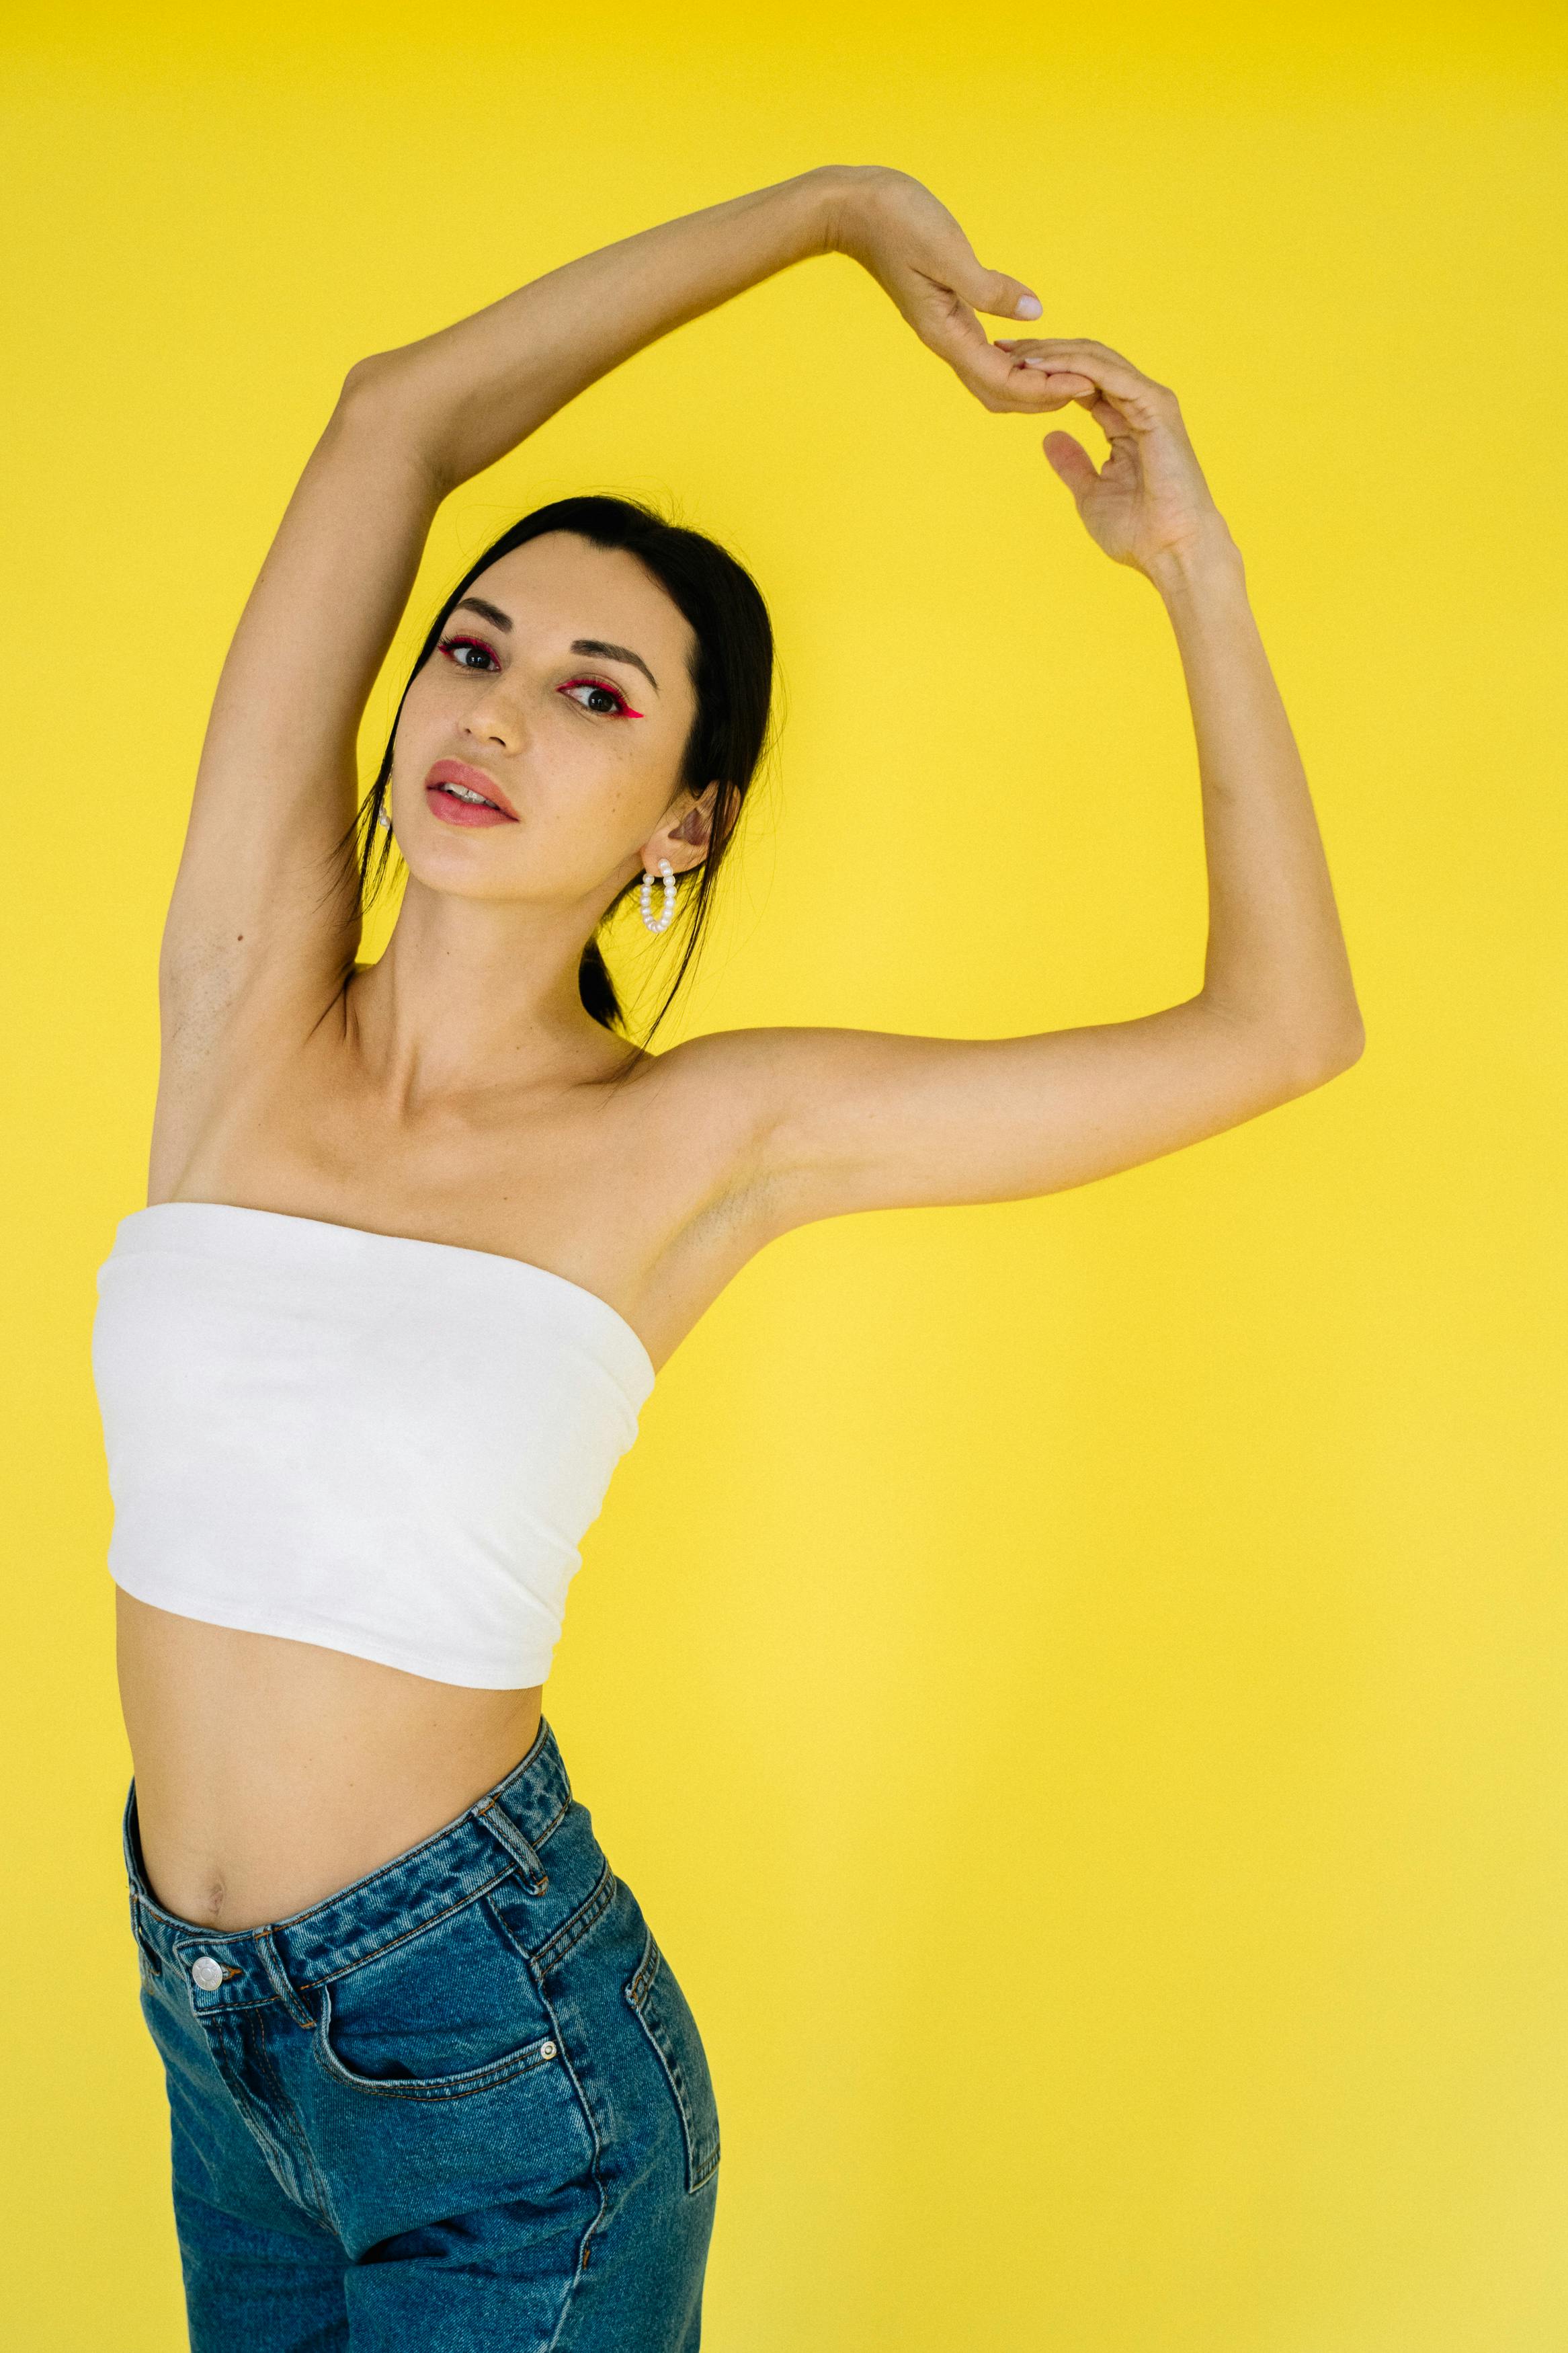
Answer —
385 1446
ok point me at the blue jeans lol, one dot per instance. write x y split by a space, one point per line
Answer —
461 2104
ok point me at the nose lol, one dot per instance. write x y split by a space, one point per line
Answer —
494 719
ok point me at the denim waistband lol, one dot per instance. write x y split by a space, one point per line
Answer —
500 1835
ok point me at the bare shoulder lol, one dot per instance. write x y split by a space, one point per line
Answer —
697 1118
764 1065
740 1108
742 1082
698 1123
748 1134
770 1076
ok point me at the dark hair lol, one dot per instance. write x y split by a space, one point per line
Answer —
731 674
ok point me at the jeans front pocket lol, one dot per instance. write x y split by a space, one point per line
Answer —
665 2016
450 2011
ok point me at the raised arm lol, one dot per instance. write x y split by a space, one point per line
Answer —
264 897
849 1120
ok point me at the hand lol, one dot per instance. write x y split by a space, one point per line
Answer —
1148 505
917 254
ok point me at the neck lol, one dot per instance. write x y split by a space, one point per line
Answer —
471 995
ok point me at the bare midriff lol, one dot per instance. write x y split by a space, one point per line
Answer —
269 1774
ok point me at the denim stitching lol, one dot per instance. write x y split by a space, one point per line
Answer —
325 2217
524 1856
282 1984
188 1931
268 2155
567 1936
376 1952
269 2001
412 1854
466 2080
294 1921
392 1943
219 2009
645 1971
573 1930
152 1959
584 2109
637 1990
551 1826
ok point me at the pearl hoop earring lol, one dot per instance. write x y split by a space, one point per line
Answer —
645 894
384 816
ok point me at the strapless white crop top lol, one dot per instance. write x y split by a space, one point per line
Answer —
385 1446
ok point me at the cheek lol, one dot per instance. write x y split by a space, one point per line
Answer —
648 768
590 795
426 715
611 783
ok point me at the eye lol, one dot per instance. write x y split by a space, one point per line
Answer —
458 649
596 695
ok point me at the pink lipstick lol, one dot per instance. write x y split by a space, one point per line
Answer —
460 794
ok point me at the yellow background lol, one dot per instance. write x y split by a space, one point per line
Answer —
1078 1687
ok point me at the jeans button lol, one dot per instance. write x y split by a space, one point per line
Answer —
206 1973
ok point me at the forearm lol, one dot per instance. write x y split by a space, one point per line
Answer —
1276 959
465 396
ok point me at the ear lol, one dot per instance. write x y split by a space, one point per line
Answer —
683 836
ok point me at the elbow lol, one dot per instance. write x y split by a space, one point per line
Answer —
383 406
1344 1042
1327 1054
368 390
1293 1047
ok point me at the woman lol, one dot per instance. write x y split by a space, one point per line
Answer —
420 1233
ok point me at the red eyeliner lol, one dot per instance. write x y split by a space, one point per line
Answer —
448 645
478 645
606 686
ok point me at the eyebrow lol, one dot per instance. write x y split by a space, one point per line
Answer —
478 604
579 644
614 653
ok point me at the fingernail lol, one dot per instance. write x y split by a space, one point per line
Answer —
1027 307
1034 363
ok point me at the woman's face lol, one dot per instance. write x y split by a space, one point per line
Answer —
539 751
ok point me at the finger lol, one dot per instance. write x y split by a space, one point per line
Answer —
1146 405
1071 461
955 335
1071 384
1109 418
1062 347
991 291
999 296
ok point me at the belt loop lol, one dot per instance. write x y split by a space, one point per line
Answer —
267 1951
130 1845
149 1951
505 1831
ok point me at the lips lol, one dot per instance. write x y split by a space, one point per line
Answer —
453 807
